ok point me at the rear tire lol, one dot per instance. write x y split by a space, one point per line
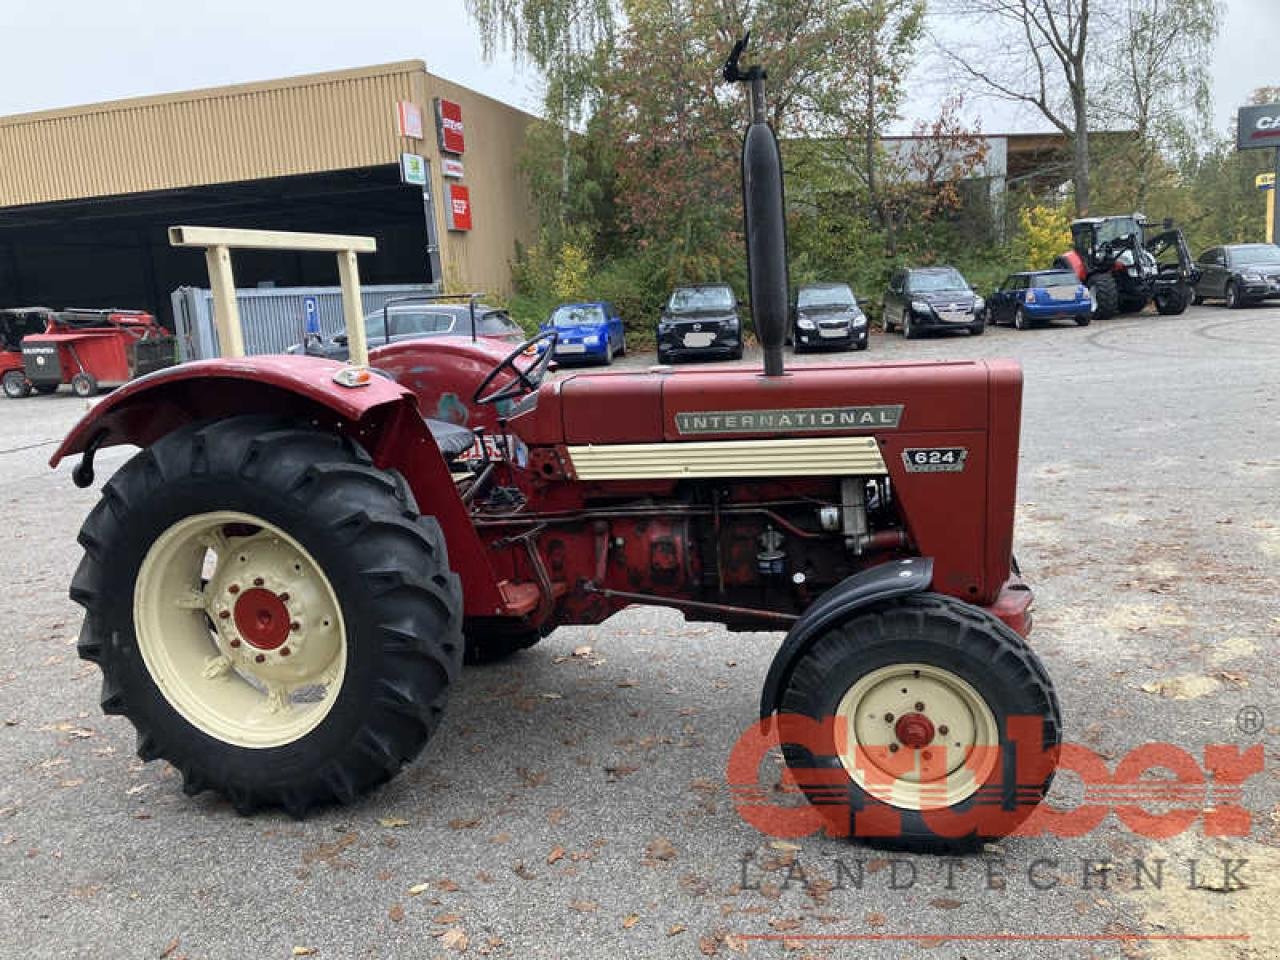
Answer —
83 385
369 578
976 672
16 385
1106 296
1171 302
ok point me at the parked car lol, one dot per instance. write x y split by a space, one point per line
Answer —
1040 296
408 320
827 315
700 322
587 331
1239 273
919 299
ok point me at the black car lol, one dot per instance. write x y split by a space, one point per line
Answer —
700 322
931 298
408 321
1240 273
827 315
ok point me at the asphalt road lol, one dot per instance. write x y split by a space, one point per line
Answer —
576 806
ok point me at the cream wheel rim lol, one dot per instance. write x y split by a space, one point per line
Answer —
916 736
240 629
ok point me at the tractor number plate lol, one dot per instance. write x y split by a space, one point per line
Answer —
934 459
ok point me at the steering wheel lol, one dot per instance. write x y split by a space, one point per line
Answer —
526 380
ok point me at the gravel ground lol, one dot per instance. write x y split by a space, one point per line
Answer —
576 805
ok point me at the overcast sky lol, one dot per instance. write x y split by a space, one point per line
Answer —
105 49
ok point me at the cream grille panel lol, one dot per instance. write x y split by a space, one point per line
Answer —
804 457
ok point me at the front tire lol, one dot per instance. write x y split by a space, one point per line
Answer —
1171 302
1106 296
270 612
926 673
1234 300
909 329
16 385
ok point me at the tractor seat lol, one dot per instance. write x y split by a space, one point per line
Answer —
452 439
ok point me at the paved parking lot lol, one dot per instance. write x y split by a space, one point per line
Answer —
576 805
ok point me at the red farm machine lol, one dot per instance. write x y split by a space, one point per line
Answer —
282 585
92 349
16 324
1126 268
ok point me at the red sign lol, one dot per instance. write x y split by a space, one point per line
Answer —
449 126
458 208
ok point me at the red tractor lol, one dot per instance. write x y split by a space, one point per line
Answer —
1125 269
282 586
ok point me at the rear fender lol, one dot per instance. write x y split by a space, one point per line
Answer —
897 578
381 416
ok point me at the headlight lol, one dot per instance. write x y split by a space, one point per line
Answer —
979 303
919 306
591 341
859 320
804 323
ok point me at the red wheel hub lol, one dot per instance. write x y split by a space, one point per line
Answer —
262 618
914 730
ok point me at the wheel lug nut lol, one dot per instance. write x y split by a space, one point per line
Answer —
943 730
258 581
235 643
888 718
284 598
295 626
260 658
234 588
919 705
284 651
893 748
225 614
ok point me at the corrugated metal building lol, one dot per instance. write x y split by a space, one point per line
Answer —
86 193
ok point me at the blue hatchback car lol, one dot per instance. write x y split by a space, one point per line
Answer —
589 331
1040 296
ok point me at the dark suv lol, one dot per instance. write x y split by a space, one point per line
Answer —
931 298
700 322
1239 274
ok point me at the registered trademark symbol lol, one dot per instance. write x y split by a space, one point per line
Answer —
1249 720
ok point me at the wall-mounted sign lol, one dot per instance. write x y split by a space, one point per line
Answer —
457 206
409 120
449 126
1258 127
451 167
1265 181
413 169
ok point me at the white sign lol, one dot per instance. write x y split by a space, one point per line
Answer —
413 169
451 167
409 119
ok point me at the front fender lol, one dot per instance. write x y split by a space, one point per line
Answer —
897 578
146 409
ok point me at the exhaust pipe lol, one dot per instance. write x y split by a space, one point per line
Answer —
763 214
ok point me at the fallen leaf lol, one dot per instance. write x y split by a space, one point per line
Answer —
614 774
447 885
556 853
396 913
708 947
555 815
418 889
676 929
447 919
390 822
584 906
784 845
455 938
582 651
784 923
464 823
876 920
630 920
169 947
945 903
551 696
660 849
304 951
